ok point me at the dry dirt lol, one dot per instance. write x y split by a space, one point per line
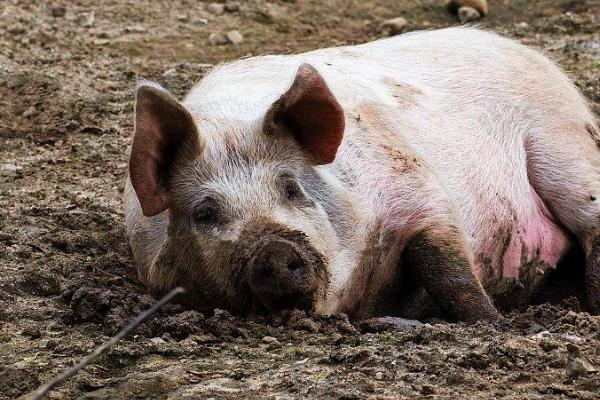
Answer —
66 276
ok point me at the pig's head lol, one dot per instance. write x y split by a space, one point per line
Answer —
253 225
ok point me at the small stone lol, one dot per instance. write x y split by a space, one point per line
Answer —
523 25
573 338
379 375
269 340
232 7
170 72
394 26
58 11
30 112
300 362
183 17
217 39
468 14
235 37
157 340
216 8
480 5
89 20
135 29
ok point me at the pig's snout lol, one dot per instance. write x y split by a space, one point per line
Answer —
279 275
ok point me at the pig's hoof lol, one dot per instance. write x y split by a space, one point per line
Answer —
383 324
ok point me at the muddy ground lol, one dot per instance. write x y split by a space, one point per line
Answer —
67 282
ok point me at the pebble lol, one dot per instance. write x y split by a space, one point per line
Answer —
216 8
183 17
480 5
157 340
300 362
135 29
217 39
269 340
170 72
394 26
89 20
235 37
468 14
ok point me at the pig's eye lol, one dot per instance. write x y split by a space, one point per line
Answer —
207 213
292 190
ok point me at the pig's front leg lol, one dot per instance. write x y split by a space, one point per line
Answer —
438 259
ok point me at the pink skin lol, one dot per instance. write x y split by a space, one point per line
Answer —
540 235
536 234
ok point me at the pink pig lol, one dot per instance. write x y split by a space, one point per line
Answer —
439 171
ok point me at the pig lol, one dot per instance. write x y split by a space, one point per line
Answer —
432 173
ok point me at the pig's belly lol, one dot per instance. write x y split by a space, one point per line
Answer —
522 247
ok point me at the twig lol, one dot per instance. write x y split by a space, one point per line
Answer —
44 389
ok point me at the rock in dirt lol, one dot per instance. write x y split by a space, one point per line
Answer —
577 365
269 340
88 20
393 26
158 340
468 14
216 8
480 5
217 39
235 37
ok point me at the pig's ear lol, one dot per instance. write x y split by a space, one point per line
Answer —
164 131
310 112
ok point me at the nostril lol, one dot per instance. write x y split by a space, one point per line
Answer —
297 268
265 273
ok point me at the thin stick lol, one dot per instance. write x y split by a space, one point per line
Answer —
44 389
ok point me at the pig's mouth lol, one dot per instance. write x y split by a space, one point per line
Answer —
279 269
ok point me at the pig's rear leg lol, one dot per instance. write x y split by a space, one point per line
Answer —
564 170
438 259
